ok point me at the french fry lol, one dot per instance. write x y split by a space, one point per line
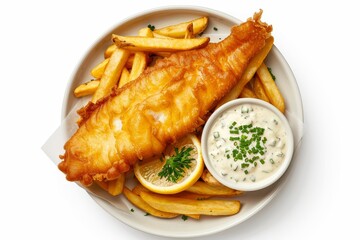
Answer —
138 66
190 195
112 73
259 89
130 61
145 32
250 71
99 69
116 186
209 179
109 51
184 206
161 36
139 62
270 88
87 88
158 44
247 93
124 78
179 30
140 188
206 189
189 33
140 203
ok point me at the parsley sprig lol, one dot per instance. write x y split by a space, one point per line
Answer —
175 165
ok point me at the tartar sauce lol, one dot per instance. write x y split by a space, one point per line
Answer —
247 143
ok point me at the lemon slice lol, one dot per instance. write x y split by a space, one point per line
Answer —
147 172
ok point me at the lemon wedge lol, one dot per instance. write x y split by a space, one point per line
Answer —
147 172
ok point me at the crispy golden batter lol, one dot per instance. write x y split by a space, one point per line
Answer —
169 100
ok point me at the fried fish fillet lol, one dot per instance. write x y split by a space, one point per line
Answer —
169 100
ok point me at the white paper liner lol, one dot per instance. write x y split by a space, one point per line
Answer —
53 147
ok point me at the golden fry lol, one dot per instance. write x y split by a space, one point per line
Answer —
99 69
116 186
139 62
138 66
179 30
146 32
189 33
109 51
190 195
249 72
158 44
140 203
270 88
161 36
206 189
247 93
112 73
86 88
124 78
140 188
259 90
209 179
188 206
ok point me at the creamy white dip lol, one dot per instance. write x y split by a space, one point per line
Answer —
247 143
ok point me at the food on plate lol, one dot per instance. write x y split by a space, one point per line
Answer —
247 92
116 186
246 143
179 167
99 69
111 74
109 51
209 179
124 78
259 89
214 207
140 203
249 72
212 190
167 101
139 63
189 33
87 88
179 30
159 44
270 87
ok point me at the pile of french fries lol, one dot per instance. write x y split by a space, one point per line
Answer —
125 60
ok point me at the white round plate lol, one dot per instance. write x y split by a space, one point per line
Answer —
219 27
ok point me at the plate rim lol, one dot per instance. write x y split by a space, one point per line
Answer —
191 8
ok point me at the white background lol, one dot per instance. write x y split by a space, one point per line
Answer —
40 45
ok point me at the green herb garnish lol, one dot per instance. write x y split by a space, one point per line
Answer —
152 27
215 28
249 145
272 75
132 210
184 217
175 165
